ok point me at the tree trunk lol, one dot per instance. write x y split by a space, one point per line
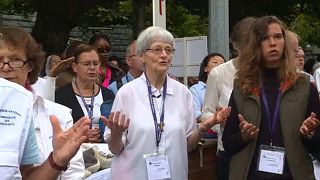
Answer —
55 20
51 33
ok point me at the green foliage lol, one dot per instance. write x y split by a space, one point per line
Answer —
24 7
125 7
182 23
6 6
5 3
184 17
308 29
106 14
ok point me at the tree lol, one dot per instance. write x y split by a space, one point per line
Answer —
307 27
131 12
138 13
55 19
182 23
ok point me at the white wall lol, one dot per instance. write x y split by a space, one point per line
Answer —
189 54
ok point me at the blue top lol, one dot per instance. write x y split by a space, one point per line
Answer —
125 79
198 91
31 151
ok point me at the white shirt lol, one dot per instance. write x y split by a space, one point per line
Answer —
15 122
132 100
45 87
42 109
316 76
98 100
219 89
316 166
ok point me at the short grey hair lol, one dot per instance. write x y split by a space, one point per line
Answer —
49 59
153 34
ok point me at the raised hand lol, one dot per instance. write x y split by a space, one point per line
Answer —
309 125
66 144
219 116
117 122
60 67
248 130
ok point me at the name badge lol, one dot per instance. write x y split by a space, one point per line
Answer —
271 159
157 166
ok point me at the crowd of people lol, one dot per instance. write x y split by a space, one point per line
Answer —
263 104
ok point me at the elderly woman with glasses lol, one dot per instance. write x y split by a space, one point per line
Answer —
83 95
34 139
152 124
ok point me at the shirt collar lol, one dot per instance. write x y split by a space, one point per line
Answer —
202 85
130 77
153 89
37 99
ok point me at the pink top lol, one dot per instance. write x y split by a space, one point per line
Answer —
107 78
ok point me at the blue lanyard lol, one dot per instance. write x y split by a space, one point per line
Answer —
127 78
271 122
89 107
158 126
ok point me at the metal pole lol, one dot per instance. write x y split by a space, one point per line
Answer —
218 34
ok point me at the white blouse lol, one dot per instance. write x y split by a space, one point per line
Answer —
132 100
98 100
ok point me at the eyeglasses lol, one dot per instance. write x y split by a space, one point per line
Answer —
89 63
158 51
18 63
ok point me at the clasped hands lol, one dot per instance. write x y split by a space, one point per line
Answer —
94 135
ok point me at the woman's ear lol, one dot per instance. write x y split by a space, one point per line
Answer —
206 70
30 67
74 67
142 58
